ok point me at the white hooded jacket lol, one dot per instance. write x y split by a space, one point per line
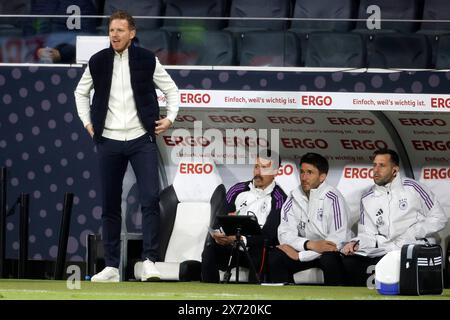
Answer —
324 216
402 212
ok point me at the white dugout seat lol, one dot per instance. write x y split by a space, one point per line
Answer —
354 181
187 208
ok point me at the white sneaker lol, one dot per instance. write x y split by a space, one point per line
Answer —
109 274
149 271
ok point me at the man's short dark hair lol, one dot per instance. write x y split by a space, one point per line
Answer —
317 160
123 15
271 155
394 156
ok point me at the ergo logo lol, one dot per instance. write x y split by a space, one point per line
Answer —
204 98
317 100
285 170
196 168
440 103
436 173
358 173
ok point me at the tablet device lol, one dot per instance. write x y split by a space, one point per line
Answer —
248 224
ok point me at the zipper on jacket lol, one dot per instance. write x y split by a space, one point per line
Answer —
123 98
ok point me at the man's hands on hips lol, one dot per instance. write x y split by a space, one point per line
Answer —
162 125
90 129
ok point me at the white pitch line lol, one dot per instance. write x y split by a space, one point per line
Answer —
160 294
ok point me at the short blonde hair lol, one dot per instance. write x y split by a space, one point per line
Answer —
123 15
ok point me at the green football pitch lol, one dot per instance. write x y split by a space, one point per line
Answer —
58 290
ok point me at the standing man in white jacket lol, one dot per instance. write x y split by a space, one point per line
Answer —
123 121
395 211
313 226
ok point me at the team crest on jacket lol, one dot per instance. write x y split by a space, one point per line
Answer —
403 204
380 221
379 216
301 226
320 214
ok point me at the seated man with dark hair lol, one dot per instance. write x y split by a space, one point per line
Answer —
313 226
260 197
395 211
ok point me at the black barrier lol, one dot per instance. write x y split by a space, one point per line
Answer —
2 219
63 235
23 230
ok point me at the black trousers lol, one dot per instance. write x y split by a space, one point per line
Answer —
113 160
282 268
216 257
358 270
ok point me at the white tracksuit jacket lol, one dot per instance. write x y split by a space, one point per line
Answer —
402 212
324 216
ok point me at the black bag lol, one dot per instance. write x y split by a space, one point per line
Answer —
421 269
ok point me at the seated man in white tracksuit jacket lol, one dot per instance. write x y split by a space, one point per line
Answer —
262 198
313 226
395 211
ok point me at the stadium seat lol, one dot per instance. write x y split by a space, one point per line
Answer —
324 9
349 50
443 52
398 9
283 51
17 7
187 208
309 276
288 177
204 48
398 51
198 8
159 42
440 189
354 181
150 8
435 10
258 9
244 274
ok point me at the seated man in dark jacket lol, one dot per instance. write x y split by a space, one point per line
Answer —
260 197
